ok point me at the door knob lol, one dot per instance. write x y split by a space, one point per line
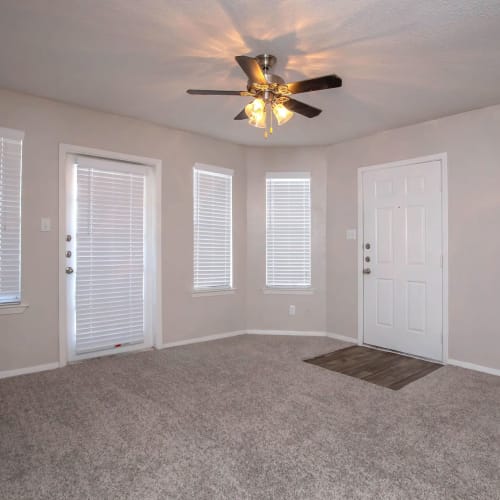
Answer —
69 270
367 270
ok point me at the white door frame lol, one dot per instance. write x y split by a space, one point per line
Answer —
443 159
156 165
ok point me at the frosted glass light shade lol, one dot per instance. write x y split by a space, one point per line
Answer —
282 114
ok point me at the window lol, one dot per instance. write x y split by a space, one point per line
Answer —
11 143
110 253
212 214
288 230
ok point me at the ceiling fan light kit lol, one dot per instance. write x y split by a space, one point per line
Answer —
260 114
271 95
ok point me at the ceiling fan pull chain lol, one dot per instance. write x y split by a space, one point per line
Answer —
271 119
266 107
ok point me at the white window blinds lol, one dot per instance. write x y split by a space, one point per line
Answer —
212 213
11 143
110 255
288 230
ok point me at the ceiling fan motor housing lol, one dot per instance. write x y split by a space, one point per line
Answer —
266 62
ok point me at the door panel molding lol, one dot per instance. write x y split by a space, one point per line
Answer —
66 151
442 158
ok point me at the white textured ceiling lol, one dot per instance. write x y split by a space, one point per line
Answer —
402 61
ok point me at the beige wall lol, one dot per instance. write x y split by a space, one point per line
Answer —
270 311
31 338
472 141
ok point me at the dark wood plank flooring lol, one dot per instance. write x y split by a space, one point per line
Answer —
387 369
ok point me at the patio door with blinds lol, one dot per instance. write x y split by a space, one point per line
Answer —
107 257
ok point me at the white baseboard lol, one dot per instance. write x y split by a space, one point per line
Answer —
207 338
286 332
217 336
343 338
331 335
472 366
29 369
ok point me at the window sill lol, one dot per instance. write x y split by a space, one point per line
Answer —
288 291
13 308
208 293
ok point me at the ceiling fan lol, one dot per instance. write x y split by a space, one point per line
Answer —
271 95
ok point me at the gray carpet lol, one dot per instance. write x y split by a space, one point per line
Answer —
245 418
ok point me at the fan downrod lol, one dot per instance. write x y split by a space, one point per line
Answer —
266 63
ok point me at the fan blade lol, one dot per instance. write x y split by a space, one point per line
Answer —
301 108
251 68
241 115
215 92
321 83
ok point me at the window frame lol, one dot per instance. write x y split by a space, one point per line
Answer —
298 289
16 306
198 291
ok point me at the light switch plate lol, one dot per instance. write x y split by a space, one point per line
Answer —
350 234
291 310
45 224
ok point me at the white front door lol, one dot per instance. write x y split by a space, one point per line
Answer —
402 258
107 257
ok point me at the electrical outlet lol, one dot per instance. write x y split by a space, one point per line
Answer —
291 310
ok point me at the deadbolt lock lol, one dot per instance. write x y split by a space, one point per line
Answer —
69 270
368 246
